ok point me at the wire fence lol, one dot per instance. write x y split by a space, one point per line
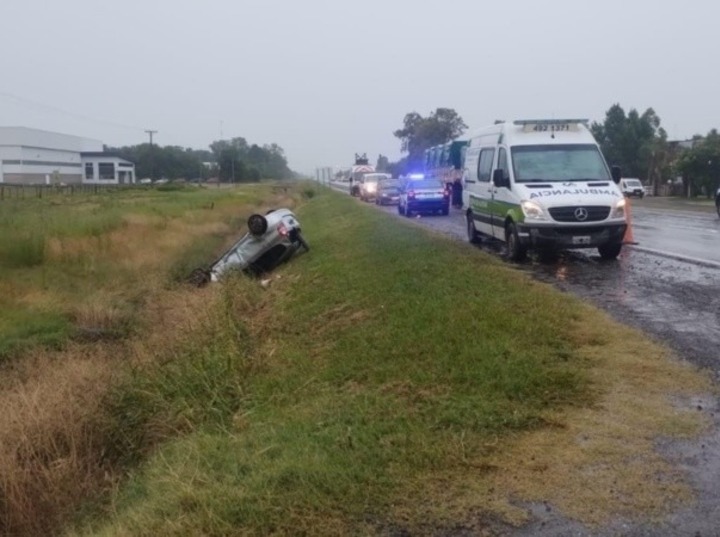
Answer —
16 191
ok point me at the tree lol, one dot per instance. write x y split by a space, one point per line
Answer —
419 133
382 163
238 161
700 165
633 141
171 162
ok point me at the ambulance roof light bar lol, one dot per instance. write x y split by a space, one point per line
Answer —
549 121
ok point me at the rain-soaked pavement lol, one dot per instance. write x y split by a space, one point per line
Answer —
669 287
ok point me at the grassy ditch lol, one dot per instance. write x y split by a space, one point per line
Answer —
391 380
93 298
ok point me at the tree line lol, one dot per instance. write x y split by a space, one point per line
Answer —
636 142
233 160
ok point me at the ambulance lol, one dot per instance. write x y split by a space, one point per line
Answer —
542 185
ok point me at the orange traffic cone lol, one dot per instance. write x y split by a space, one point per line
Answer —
628 237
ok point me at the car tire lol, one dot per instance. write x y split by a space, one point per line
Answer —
408 212
446 211
257 224
609 252
400 209
515 249
199 277
472 234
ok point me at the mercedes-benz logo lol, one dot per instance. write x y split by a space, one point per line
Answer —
581 214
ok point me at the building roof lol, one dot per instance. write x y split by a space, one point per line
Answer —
100 154
25 136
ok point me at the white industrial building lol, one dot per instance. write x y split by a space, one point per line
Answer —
33 156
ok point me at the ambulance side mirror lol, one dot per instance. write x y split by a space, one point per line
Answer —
500 179
616 173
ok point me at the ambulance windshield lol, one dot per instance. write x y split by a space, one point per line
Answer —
558 163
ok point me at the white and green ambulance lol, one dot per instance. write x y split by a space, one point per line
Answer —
542 184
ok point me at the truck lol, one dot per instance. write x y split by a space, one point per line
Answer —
359 169
444 162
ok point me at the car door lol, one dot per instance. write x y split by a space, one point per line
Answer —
502 197
481 196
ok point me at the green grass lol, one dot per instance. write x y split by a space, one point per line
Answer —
40 291
384 360
21 328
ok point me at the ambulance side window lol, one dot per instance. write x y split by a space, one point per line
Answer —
502 162
485 164
470 157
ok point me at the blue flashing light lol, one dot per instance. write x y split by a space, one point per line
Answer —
416 176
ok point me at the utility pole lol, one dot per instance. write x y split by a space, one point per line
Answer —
152 163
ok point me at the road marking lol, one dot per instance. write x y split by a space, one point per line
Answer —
679 257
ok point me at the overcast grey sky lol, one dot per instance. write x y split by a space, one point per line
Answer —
325 79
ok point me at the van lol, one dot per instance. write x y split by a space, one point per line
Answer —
632 187
543 185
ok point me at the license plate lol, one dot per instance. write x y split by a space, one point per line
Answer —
585 239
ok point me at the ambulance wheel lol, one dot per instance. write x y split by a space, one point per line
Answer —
472 234
516 250
610 251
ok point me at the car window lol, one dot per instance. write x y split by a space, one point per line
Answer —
485 164
502 162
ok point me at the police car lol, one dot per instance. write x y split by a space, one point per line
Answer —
421 195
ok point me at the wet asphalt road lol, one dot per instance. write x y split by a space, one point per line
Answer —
669 287
685 233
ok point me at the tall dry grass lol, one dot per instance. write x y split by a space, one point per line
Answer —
116 286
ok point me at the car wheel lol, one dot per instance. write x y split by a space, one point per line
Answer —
199 277
408 212
610 251
516 250
400 209
446 210
257 224
472 234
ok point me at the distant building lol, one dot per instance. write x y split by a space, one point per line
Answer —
33 156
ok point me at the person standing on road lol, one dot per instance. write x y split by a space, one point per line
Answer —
457 193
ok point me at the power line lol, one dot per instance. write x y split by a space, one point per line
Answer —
47 107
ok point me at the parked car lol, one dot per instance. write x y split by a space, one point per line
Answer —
388 193
271 240
423 196
368 188
632 187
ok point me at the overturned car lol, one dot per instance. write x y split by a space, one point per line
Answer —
271 240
